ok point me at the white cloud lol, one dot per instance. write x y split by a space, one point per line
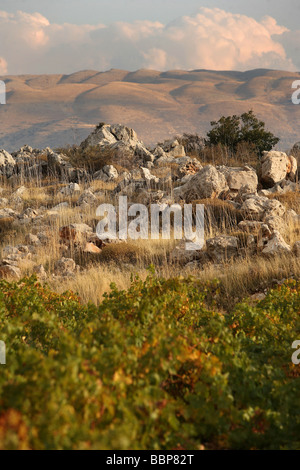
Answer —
211 39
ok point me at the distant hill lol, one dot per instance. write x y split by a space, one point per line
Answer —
56 110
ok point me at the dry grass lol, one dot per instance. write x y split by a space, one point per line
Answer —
238 279
290 200
117 261
220 155
94 158
220 216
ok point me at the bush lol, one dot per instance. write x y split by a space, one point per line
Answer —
153 367
231 131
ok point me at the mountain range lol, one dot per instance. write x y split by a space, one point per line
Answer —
59 110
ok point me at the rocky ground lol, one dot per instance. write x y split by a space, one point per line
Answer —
48 202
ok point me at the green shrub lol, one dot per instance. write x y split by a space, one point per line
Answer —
231 131
153 367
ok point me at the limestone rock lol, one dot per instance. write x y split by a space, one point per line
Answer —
71 189
148 176
31 239
7 164
40 272
107 173
238 178
173 148
259 207
10 272
87 198
276 166
276 245
207 183
65 267
222 248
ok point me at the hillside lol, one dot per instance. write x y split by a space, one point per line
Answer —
56 110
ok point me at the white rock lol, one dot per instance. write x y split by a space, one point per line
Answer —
207 183
148 176
238 178
107 173
71 189
259 207
276 166
7 163
276 245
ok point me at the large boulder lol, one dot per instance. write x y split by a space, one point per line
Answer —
106 174
10 272
238 178
222 248
101 135
70 190
207 183
105 134
148 177
122 141
7 164
86 199
277 166
173 148
65 267
276 245
259 208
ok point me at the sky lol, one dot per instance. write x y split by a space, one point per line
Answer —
64 36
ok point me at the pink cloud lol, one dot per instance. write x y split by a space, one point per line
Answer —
211 39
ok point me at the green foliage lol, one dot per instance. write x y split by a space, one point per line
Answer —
230 131
153 367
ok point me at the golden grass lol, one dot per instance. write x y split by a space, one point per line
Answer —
238 279
290 200
117 261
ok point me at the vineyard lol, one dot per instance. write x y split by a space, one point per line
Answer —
161 365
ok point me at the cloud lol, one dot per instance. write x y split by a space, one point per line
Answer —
211 39
290 40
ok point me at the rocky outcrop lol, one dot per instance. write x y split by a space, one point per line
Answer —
65 267
259 208
10 272
276 245
222 248
173 149
70 190
7 164
238 178
277 166
106 174
207 183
